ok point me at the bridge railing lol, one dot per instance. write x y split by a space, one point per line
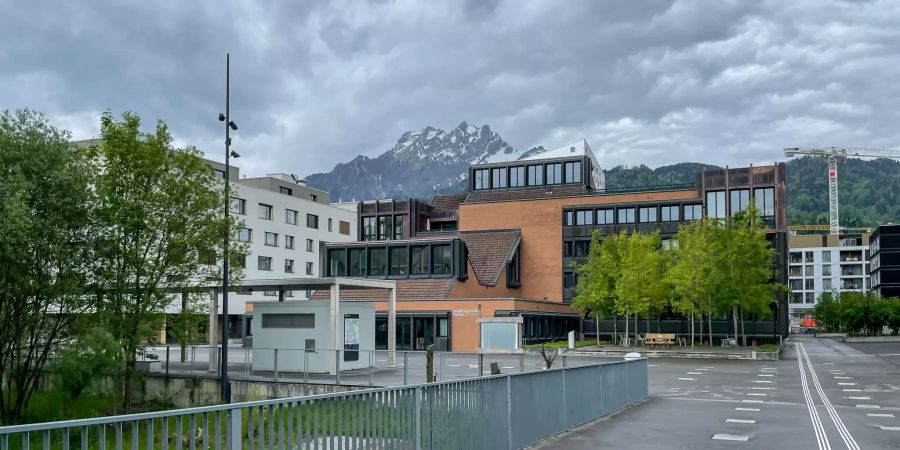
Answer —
492 412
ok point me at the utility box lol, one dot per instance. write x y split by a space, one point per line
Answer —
301 332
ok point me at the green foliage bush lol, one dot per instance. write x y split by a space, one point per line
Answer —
858 313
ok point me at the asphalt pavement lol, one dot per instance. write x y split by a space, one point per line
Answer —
823 394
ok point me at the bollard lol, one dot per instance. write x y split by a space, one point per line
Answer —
371 368
306 366
495 368
275 372
429 364
405 366
337 367
193 357
564 362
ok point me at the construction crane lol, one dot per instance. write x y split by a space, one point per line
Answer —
833 154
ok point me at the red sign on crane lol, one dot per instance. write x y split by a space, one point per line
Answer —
832 174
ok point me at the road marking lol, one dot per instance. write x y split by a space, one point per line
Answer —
758 394
701 369
868 406
751 401
846 384
747 409
765 375
761 381
687 379
879 415
884 428
848 439
818 427
762 388
507 367
859 398
843 378
694 373
852 390
652 365
730 437
828 364
740 421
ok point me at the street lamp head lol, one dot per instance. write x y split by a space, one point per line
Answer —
232 125
235 154
221 117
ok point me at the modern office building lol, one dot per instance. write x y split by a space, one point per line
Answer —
284 223
884 246
820 263
504 248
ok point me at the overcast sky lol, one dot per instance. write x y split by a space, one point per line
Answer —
317 83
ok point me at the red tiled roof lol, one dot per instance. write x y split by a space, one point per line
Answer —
412 289
529 193
489 251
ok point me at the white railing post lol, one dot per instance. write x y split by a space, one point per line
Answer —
509 441
234 430
417 420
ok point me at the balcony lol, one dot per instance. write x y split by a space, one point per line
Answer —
852 284
851 256
852 270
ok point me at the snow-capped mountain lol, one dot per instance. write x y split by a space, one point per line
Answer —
422 163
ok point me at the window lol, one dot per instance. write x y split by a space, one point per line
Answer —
384 228
535 175
568 218
398 227
289 266
368 229
309 245
693 212
419 265
669 213
826 270
626 215
265 211
271 239
498 178
344 228
584 217
826 256
810 284
796 257
513 272
378 261
314 197
337 259
796 285
330 224
567 249
826 284
288 242
244 235
290 216
482 178
797 297
441 259
398 260
808 257
765 201
289 320
573 172
517 176
270 293
219 173
239 261
357 262
715 204
569 280
669 244
605 217
285 190
810 297
646 215
264 262
740 200
309 268
554 173
582 248
312 221
808 271
238 206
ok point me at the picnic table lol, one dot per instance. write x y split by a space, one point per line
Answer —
659 339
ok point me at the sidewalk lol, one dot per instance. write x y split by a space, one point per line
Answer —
667 352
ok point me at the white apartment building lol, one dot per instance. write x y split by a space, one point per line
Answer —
826 263
284 221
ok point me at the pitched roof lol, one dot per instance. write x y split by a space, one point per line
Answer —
489 251
411 289
528 193
447 202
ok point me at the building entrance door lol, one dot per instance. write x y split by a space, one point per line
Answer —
423 332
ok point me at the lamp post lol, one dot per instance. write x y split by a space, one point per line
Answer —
229 125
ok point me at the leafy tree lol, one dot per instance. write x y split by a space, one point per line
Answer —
690 273
159 217
184 327
92 352
639 286
827 312
595 292
45 204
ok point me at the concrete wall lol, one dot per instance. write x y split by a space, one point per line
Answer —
186 392
290 342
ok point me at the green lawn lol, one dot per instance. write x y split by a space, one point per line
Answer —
767 348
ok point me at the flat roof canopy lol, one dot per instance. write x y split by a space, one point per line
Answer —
290 284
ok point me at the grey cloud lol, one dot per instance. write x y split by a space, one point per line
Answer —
316 83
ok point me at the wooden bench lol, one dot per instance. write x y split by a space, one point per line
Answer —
660 339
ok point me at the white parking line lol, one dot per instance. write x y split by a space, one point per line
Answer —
694 373
758 394
652 365
843 378
747 409
828 364
730 437
507 367
740 421
852 390
751 401
761 381
765 375
859 398
879 415
687 379
868 406
762 388
884 428
846 384
453 365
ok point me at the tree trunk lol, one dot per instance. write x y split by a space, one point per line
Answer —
692 330
635 327
743 331
626 331
701 328
710 331
735 320
597 327
615 328
184 305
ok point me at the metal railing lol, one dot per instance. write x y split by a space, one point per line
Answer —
370 368
494 412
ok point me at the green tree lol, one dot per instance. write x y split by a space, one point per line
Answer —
827 312
640 285
45 245
691 269
595 292
159 218
184 327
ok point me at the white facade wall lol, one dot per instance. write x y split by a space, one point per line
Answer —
814 270
300 254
